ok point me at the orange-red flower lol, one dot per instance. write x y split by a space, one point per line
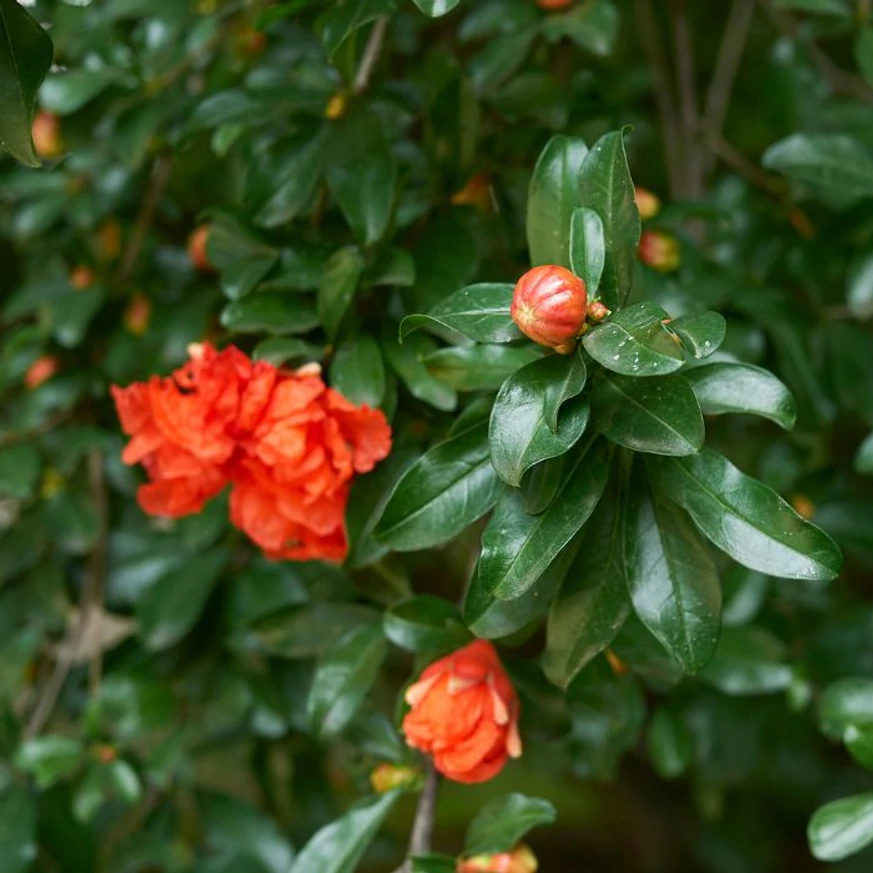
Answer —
465 714
520 860
41 370
287 443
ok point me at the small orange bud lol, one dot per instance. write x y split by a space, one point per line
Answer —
138 314
387 777
660 251
106 754
476 192
336 107
197 249
554 5
598 312
109 241
46 132
618 666
550 305
520 860
647 203
41 370
803 506
82 277
250 41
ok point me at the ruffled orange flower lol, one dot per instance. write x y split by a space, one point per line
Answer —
287 443
465 714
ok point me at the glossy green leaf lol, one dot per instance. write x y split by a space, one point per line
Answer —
426 624
344 19
587 247
433 863
66 93
482 367
520 434
837 161
864 458
541 484
606 186
480 312
26 54
447 489
593 602
518 548
733 387
436 8
842 828
565 378
670 743
746 519
19 471
659 416
18 817
407 360
701 334
859 742
278 314
846 703
358 371
297 183
343 678
172 605
50 758
339 846
311 631
552 199
749 660
672 579
242 258
592 26
287 350
634 342
503 822
338 284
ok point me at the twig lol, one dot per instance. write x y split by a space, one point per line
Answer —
371 55
727 66
691 179
735 159
92 597
654 49
157 183
422 828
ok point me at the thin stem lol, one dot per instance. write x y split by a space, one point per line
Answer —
97 567
735 159
691 179
371 55
422 829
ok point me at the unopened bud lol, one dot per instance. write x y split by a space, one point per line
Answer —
598 312
106 754
476 192
46 132
520 860
660 251
41 370
803 506
109 241
197 249
549 306
336 107
387 777
554 5
82 277
648 204
138 315
618 666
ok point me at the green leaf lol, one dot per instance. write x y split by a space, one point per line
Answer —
342 20
606 186
822 7
587 248
50 758
338 284
841 828
171 606
859 294
670 744
552 199
701 334
66 93
426 624
634 342
541 484
447 489
517 548
659 416
746 519
749 660
836 161
672 579
503 822
436 8
358 371
864 52
242 258
343 678
19 471
433 863
339 846
482 367
362 174
26 54
282 350
846 703
71 314
864 458
278 314
520 434
480 312
728 387
859 742
17 830
593 602
592 26
296 184
407 360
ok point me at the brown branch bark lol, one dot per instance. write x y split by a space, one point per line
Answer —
691 177
422 829
371 55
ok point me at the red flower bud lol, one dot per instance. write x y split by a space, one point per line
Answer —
476 192
108 241
549 306
803 506
387 777
465 714
520 860
82 277
197 249
138 315
41 370
553 5
660 251
598 312
106 754
647 203
46 132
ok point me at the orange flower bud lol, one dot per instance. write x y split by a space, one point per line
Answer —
520 860
554 5
387 777
250 41
803 506
465 714
109 241
598 312
138 314
106 754
336 107
197 249
82 277
660 251
41 370
476 192
618 666
46 132
549 306
647 203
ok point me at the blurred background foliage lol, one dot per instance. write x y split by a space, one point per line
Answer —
155 675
